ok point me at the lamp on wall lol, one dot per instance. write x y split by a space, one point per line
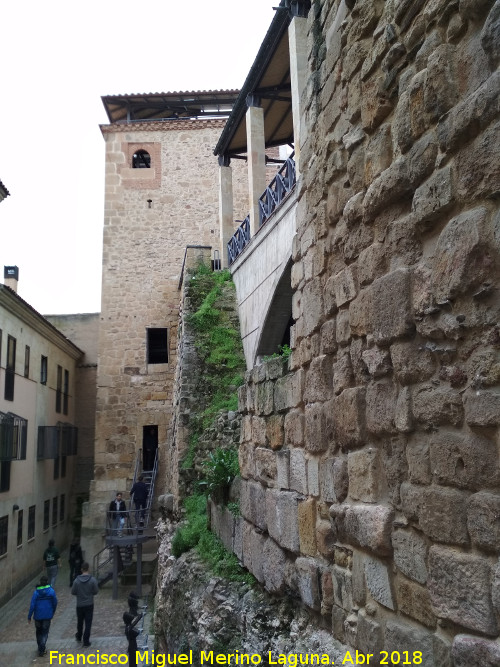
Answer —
15 507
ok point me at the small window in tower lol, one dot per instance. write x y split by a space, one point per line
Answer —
157 346
141 160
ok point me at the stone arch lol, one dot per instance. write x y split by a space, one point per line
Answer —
275 330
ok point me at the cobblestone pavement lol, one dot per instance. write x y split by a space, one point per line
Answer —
17 638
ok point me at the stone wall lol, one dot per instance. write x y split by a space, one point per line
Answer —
371 467
190 394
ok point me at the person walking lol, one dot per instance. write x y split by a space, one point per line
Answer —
139 492
42 608
75 560
118 510
51 562
84 587
131 634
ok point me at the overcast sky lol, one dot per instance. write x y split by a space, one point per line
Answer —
58 58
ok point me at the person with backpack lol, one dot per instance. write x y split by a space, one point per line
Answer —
42 609
51 562
84 587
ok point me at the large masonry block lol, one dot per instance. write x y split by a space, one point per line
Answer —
273 566
468 650
483 520
378 582
367 526
461 260
308 582
281 510
463 460
392 313
349 416
365 475
410 554
333 480
459 589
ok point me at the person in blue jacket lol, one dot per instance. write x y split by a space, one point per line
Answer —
42 608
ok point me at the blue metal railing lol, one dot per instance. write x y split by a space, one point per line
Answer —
277 190
269 202
238 240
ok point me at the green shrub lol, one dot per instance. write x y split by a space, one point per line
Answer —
194 533
220 470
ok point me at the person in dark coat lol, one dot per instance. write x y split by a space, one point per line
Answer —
75 560
42 608
139 492
131 634
84 587
118 512
51 562
133 603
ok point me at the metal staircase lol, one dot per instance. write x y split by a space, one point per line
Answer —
125 534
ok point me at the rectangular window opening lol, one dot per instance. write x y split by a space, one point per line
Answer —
66 392
62 507
4 533
10 369
157 346
27 361
31 522
59 389
4 476
46 515
19 528
55 511
43 370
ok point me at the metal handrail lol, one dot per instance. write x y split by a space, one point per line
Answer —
277 190
270 200
239 240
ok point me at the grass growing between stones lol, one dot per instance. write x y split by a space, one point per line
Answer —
218 344
194 534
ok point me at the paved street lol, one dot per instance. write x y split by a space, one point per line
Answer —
17 637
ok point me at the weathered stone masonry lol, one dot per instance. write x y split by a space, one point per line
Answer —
371 466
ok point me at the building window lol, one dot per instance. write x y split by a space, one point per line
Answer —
0 347
141 160
157 346
31 522
10 369
19 528
4 476
13 437
66 392
56 467
59 388
62 507
46 515
27 361
43 370
55 511
4 532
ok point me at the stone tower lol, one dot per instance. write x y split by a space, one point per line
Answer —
161 195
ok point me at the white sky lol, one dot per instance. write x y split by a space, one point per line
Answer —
57 59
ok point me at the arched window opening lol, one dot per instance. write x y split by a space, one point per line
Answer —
141 160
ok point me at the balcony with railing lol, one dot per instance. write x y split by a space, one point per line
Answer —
269 202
